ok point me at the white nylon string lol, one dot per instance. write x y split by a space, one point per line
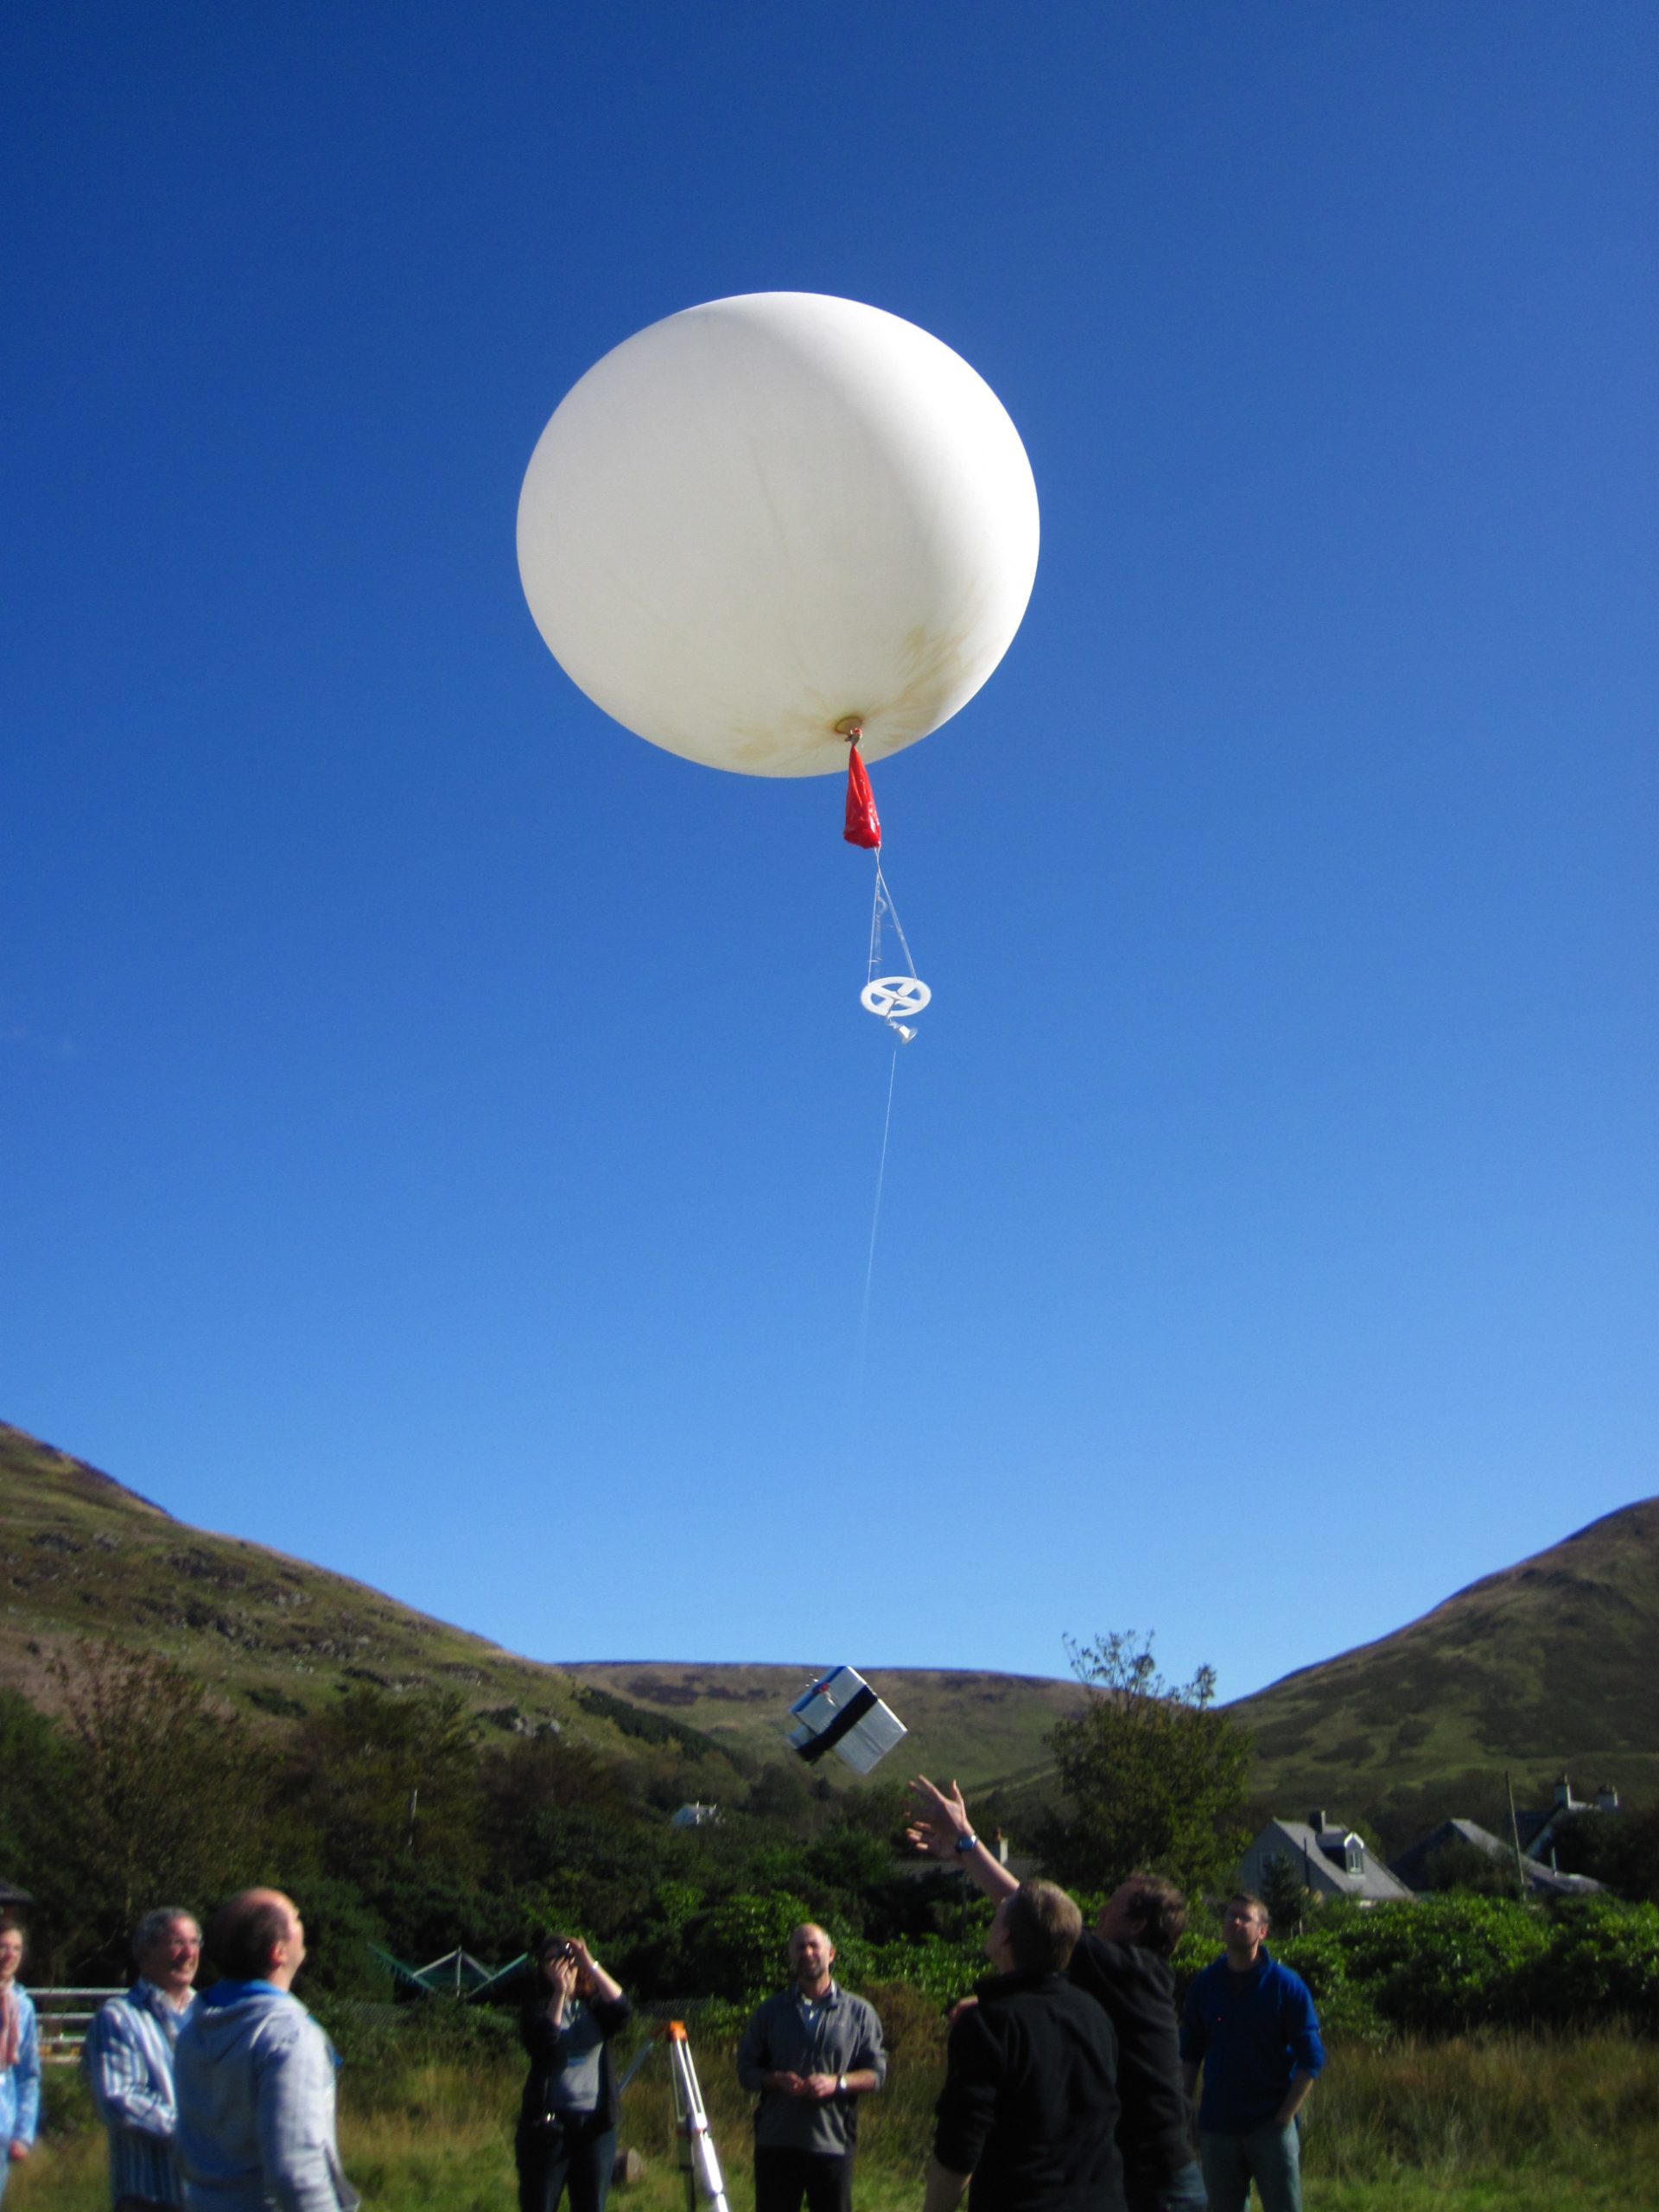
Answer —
869 1263
884 905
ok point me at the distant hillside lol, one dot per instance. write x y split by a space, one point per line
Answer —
1547 1666
965 1723
82 1556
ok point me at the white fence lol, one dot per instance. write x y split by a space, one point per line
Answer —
65 2015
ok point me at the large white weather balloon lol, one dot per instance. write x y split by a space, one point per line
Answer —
768 519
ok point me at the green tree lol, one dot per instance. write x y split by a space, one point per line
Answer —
385 1779
1153 1775
1621 1849
1460 1865
169 1795
1289 1901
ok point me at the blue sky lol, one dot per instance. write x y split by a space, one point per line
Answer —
438 1133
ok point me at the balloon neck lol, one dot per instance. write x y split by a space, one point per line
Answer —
850 726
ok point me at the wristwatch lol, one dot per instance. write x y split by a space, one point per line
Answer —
969 1842
841 2085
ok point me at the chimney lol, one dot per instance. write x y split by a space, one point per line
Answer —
1563 1793
1316 1820
1607 1798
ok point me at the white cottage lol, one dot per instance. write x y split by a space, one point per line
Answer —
1326 1857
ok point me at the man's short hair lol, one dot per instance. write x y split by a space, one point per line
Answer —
1250 1897
243 1932
1042 1927
154 1925
1160 1909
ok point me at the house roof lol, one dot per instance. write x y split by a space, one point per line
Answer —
1324 1851
1412 1866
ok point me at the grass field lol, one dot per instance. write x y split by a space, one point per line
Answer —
1461 2127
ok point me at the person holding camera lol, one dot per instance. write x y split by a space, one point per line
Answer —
566 2123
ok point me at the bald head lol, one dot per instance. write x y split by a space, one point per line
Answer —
257 1935
811 1953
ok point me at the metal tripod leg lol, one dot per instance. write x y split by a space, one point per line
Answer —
698 2160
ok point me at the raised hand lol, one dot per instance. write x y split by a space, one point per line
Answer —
937 1820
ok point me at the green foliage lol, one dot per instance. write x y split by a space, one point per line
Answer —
1603 1963
148 1790
1154 1774
169 1795
645 1727
389 1776
739 1948
1289 1902
1619 1848
1451 1964
1460 1865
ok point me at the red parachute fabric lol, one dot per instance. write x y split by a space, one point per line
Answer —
863 823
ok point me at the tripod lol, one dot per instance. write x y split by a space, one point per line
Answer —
699 2162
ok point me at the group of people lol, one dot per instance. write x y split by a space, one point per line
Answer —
1068 2086
1070 2082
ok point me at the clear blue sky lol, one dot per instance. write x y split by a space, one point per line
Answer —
438 1132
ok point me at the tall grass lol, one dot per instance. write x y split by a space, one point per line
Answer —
1458 2126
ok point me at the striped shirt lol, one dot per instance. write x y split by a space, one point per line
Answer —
129 2061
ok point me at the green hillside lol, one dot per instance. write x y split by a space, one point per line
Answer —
962 1721
1546 1666
83 1556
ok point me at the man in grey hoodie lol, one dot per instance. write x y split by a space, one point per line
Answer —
254 2074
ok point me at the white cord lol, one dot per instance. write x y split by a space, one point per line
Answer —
869 1263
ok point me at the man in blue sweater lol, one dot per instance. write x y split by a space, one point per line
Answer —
1250 2025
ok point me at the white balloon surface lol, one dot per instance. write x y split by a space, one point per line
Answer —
774 514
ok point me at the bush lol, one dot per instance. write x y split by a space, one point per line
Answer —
1447 1964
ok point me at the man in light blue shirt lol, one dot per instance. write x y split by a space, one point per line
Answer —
256 2073
128 2058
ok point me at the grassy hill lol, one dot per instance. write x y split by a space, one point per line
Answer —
83 1556
961 1722
1545 1666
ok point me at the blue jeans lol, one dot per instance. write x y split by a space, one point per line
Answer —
1182 2192
1269 2156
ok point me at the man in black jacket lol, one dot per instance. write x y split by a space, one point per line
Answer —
1123 1963
1029 2107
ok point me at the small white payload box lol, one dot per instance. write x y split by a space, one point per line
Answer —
842 1713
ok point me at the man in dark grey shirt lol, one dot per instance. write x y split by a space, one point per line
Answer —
809 2054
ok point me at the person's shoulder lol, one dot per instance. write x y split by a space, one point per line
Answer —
1127 1964
1065 1997
283 2022
1287 1981
1092 1954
